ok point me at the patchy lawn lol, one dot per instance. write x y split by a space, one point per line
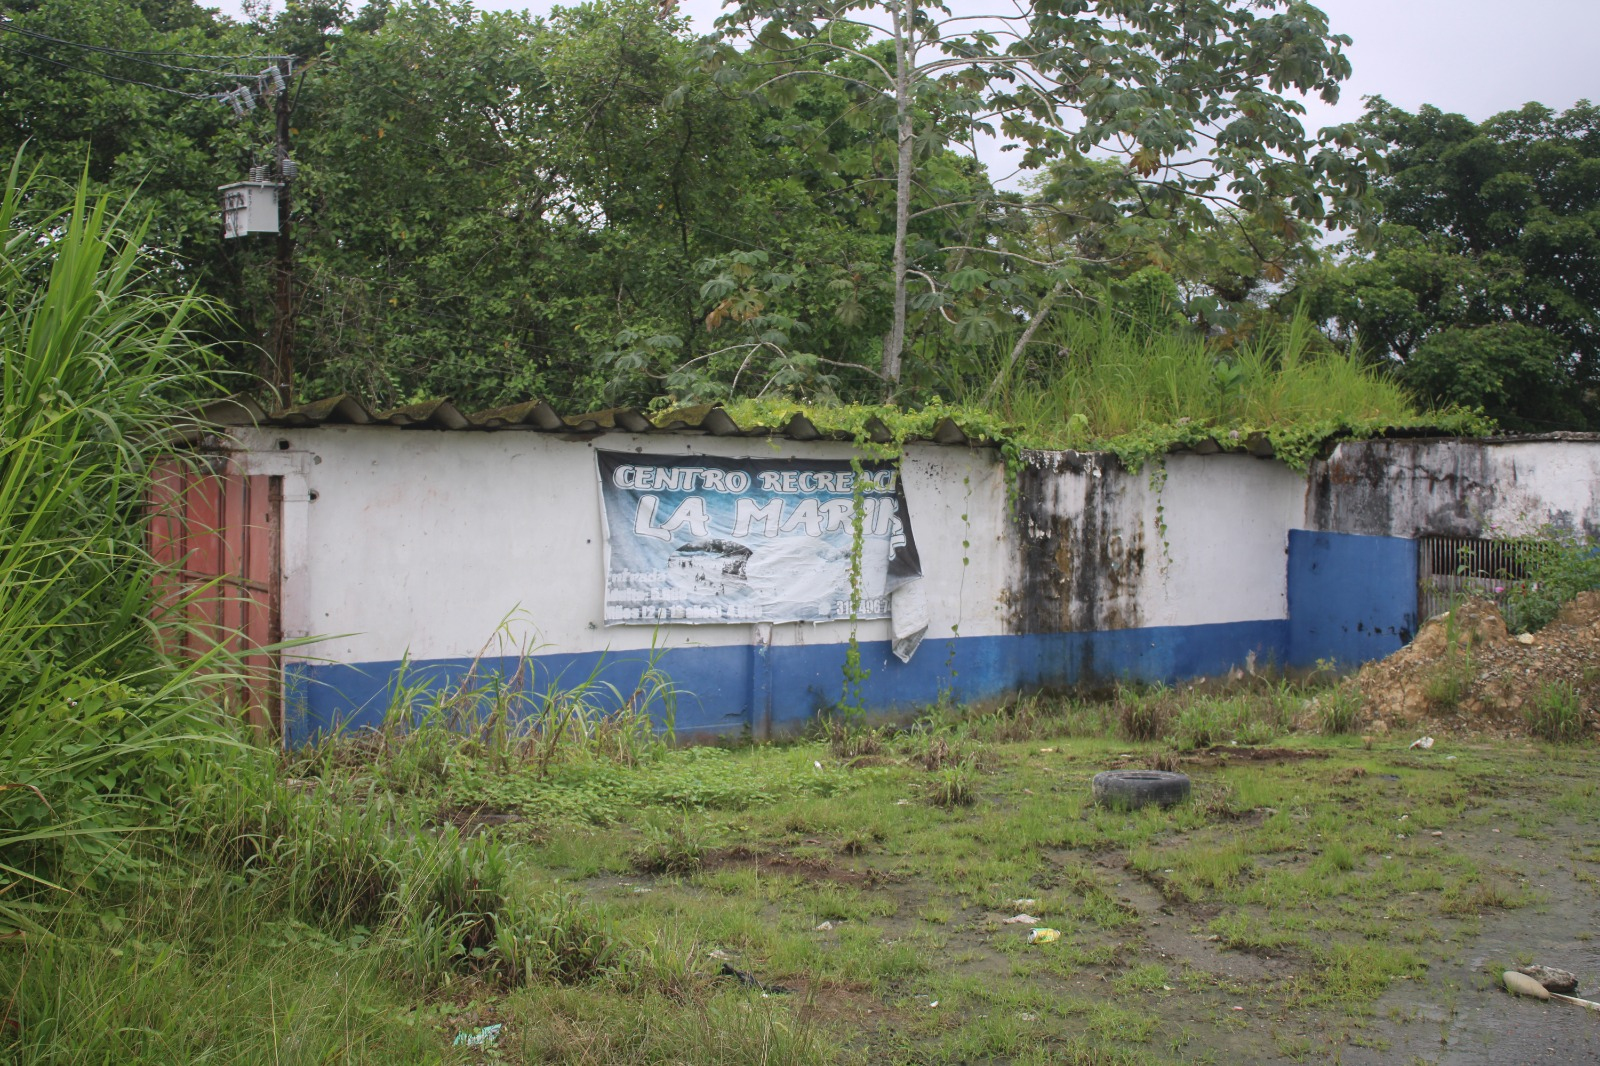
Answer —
845 900
1267 919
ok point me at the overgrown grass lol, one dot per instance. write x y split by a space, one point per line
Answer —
1097 382
1555 713
99 729
1109 380
597 929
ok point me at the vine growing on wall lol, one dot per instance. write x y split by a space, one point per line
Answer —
881 432
854 673
1158 485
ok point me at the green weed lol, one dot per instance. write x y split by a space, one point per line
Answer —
1144 714
1558 565
1555 713
1338 710
1449 680
953 785
676 849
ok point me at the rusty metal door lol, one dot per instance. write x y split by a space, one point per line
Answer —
218 535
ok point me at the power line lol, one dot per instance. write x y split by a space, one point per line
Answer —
239 98
111 77
132 53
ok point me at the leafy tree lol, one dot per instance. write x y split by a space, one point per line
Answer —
493 206
1193 98
1518 374
1483 284
129 122
498 206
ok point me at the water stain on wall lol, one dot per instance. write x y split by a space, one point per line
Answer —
1404 489
1080 545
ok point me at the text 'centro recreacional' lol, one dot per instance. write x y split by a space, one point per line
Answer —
734 482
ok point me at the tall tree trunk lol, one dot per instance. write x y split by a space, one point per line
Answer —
894 343
1039 315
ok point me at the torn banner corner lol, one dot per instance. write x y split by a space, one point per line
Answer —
908 618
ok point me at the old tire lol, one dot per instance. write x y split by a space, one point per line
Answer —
1128 790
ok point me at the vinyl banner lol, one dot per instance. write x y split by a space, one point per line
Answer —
706 539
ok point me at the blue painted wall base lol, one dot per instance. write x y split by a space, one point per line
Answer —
1351 599
772 691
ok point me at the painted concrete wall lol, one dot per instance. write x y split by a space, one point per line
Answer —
442 548
1352 577
1456 488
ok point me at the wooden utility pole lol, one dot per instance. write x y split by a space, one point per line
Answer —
280 375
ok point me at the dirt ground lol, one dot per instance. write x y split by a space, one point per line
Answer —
1465 674
1460 1016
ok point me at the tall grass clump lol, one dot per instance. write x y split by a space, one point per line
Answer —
1555 713
99 729
1144 713
1109 378
502 715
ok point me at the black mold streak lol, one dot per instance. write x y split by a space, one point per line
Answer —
1404 489
1080 572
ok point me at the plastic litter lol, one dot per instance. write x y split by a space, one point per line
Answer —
488 1036
1044 936
1024 904
1523 985
823 927
1422 742
750 981
1019 919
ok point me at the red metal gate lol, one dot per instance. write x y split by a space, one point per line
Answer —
218 533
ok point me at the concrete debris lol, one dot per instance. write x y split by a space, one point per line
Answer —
1552 979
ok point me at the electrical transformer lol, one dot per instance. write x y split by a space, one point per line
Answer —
249 207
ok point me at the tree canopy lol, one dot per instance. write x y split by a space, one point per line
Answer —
598 207
1483 284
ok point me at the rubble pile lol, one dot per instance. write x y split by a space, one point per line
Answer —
1466 672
